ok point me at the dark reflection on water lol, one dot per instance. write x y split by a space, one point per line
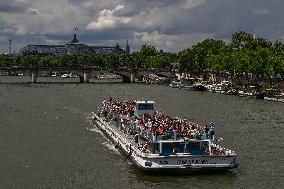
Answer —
47 139
162 177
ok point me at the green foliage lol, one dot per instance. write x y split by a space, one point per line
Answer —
29 60
148 50
278 47
241 40
207 48
112 60
184 60
5 61
246 53
156 61
49 61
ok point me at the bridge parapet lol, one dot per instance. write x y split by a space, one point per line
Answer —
128 75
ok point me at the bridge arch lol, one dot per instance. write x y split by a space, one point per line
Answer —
127 77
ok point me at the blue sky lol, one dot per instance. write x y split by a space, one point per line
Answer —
171 25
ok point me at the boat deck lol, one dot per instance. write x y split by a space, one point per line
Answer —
126 144
128 137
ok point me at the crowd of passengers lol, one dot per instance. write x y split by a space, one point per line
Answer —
160 124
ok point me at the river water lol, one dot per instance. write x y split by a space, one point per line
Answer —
47 139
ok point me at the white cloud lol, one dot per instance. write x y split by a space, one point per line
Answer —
32 11
191 4
168 24
169 42
118 7
20 30
261 11
108 20
153 37
53 42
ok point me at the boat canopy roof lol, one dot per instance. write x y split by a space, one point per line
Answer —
182 140
145 102
145 107
169 141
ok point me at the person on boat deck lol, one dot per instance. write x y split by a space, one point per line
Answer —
141 122
207 152
159 123
206 131
211 130
136 138
104 103
145 148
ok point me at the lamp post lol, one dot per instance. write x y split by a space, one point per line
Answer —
10 46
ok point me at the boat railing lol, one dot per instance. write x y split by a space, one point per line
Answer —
219 150
120 138
133 126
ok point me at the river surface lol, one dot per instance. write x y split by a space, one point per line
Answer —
47 139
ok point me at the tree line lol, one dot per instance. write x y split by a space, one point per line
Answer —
147 57
245 54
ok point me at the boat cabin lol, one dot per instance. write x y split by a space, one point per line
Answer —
144 107
170 147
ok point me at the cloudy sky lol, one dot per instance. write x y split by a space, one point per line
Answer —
171 25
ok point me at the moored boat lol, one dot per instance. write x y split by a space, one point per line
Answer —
155 142
198 87
176 84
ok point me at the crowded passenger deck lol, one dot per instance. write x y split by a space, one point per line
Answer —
157 133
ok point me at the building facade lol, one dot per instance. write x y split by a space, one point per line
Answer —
74 47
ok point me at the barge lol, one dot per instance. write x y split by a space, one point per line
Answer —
155 142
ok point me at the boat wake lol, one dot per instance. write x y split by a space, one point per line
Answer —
73 109
108 144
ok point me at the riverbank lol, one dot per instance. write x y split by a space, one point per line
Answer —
264 91
221 88
227 88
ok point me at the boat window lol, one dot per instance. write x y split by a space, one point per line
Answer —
195 148
145 106
192 147
154 148
169 148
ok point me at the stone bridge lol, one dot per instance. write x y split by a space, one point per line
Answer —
84 73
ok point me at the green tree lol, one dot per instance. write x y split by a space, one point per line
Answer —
5 61
184 60
29 60
112 60
148 50
241 40
278 47
48 60
202 50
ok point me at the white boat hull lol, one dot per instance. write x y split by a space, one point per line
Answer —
155 162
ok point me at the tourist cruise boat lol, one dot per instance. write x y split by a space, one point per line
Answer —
155 142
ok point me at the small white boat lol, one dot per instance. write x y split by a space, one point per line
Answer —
199 87
176 84
276 98
139 132
65 76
